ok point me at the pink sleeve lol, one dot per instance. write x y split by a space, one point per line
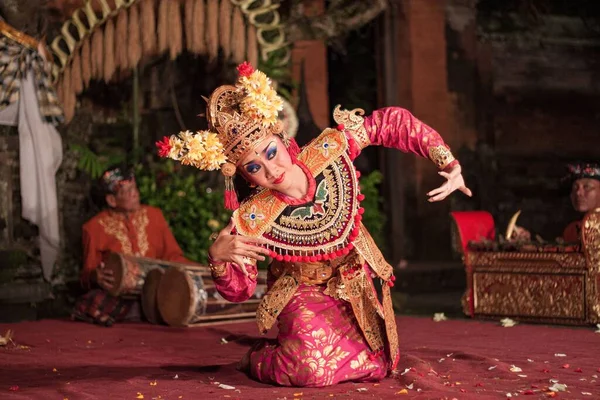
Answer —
397 128
233 285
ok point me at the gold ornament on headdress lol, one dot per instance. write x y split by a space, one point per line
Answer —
239 117
202 149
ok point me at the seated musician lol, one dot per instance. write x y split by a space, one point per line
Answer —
127 227
584 179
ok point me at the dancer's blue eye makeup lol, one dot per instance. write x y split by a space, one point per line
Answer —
252 168
271 150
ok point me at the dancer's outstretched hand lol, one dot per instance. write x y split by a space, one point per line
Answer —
454 181
232 248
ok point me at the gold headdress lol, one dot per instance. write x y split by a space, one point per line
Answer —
239 117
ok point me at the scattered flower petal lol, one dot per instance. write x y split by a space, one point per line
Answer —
437 317
153 383
54 370
139 395
529 360
508 323
558 387
492 367
546 370
403 391
514 368
560 355
224 341
566 366
228 387
508 395
297 394
522 376
410 386
176 376
578 370
405 371
598 326
586 393
362 390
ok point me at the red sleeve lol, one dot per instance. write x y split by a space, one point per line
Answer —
92 254
397 128
233 285
572 232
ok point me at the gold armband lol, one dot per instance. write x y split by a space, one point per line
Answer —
217 268
441 156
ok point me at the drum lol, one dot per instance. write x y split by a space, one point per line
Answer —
129 273
187 296
149 304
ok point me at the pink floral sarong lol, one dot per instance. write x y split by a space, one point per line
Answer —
319 344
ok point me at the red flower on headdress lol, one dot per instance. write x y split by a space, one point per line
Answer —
245 69
164 147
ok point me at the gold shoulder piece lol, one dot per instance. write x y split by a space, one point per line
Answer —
441 156
353 122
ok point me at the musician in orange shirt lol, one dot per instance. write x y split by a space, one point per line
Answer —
127 227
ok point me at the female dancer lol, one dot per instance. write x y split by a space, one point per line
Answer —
306 215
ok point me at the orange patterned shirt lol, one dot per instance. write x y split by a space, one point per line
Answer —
144 233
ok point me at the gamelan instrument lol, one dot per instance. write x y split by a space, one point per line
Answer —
149 304
188 296
130 272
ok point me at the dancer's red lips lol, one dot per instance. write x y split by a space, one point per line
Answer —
279 179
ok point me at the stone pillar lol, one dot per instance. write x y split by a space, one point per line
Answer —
414 76
313 53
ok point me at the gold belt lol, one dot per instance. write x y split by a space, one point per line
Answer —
309 273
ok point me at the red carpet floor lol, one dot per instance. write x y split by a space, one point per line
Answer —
61 360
